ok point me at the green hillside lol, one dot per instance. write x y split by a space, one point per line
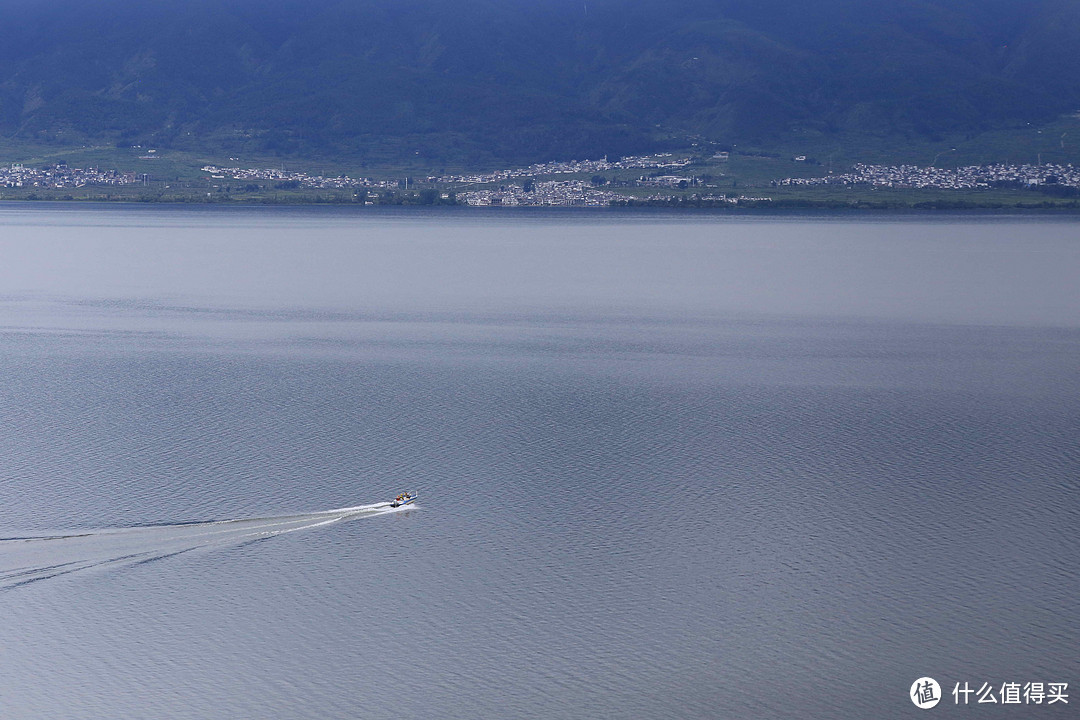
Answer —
482 82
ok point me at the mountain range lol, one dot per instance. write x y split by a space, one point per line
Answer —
482 81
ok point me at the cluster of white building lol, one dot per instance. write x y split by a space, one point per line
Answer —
578 193
671 181
563 193
62 176
547 196
961 178
302 179
726 199
661 160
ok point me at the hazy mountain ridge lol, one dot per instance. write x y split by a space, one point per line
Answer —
483 81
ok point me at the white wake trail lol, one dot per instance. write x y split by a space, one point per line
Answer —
25 560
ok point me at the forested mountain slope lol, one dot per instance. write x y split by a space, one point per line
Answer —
508 80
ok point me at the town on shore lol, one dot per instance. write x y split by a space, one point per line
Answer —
661 178
971 177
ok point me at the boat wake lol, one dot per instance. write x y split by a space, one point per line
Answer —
25 560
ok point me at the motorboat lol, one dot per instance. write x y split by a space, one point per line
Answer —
404 498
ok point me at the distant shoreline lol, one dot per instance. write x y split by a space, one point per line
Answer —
782 206
722 182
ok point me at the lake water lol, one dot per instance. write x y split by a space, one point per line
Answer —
670 466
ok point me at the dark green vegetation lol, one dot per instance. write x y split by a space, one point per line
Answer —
364 84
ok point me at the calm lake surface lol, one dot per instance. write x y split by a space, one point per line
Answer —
670 466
